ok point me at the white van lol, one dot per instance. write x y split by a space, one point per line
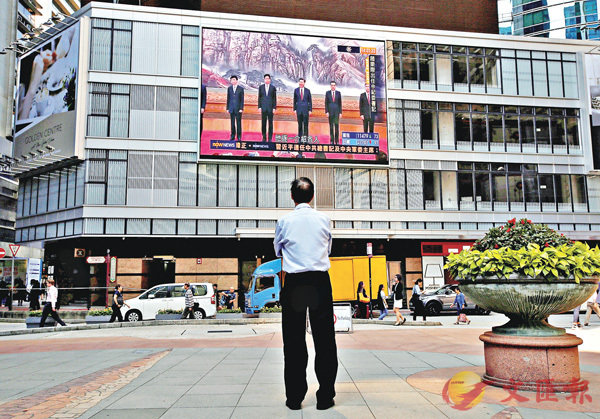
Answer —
170 296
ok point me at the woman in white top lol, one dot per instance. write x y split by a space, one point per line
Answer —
592 304
50 306
419 309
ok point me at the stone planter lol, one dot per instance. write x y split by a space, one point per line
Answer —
527 350
34 322
96 319
170 316
270 315
228 316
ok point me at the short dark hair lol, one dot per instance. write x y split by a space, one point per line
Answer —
419 280
187 284
332 82
233 77
302 78
267 75
303 190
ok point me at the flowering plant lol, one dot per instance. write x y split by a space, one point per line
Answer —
530 250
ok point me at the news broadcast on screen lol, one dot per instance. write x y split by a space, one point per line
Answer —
272 96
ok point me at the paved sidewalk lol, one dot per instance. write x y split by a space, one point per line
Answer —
153 372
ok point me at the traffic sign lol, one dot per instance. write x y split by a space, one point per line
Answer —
96 259
14 249
2 253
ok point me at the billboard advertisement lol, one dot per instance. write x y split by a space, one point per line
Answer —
286 97
45 111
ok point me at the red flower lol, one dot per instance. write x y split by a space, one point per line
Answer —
496 246
546 245
562 234
523 221
529 221
508 230
513 221
501 227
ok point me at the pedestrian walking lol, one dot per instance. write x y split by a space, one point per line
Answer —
50 306
592 305
117 303
34 295
576 312
381 301
303 241
397 291
3 292
362 300
419 308
189 302
459 302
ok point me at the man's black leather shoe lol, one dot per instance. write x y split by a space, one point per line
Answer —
325 405
293 406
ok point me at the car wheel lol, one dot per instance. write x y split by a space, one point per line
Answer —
434 308
133 316
199 314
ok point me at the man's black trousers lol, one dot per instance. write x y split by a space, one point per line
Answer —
310 290
302 124
334 129
236 125
267 116
48 311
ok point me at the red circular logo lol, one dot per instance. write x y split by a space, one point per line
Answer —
2 252
334 318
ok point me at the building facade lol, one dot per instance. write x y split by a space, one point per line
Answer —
575 19
480 130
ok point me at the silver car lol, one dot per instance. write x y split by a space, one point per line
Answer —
441 299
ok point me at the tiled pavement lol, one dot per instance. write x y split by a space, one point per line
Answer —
208 379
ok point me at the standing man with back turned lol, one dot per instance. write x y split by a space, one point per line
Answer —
235 106
303 240
267 103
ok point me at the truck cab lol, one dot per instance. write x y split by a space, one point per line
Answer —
265 287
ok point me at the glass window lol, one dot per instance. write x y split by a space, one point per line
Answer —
190 55
177 291
547 192
578 193
476 70
409 68
429 129
563 192
426 70
573 132
159 292
511 132
540 78
100 44
379 189
80 186
42 203
247 186
187 184
431 189
492 74
199 290
483 191
449 190
459 73
509 76
555 78
285 176
343 188
542 134
62 192
462 130
360 188
500 194
397 189
414 189
121 54
189 115
116 182
227 185
527 134
443 70
267 187
524 77
478 120
515 189
207 185
558 135
465 191
532 198
570 75
496 132
264 282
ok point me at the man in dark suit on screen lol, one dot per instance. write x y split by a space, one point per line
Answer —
333 109
267 103
235 106
302 107
202 107
365 110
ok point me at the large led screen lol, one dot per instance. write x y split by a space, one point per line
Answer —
287 97
45 111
